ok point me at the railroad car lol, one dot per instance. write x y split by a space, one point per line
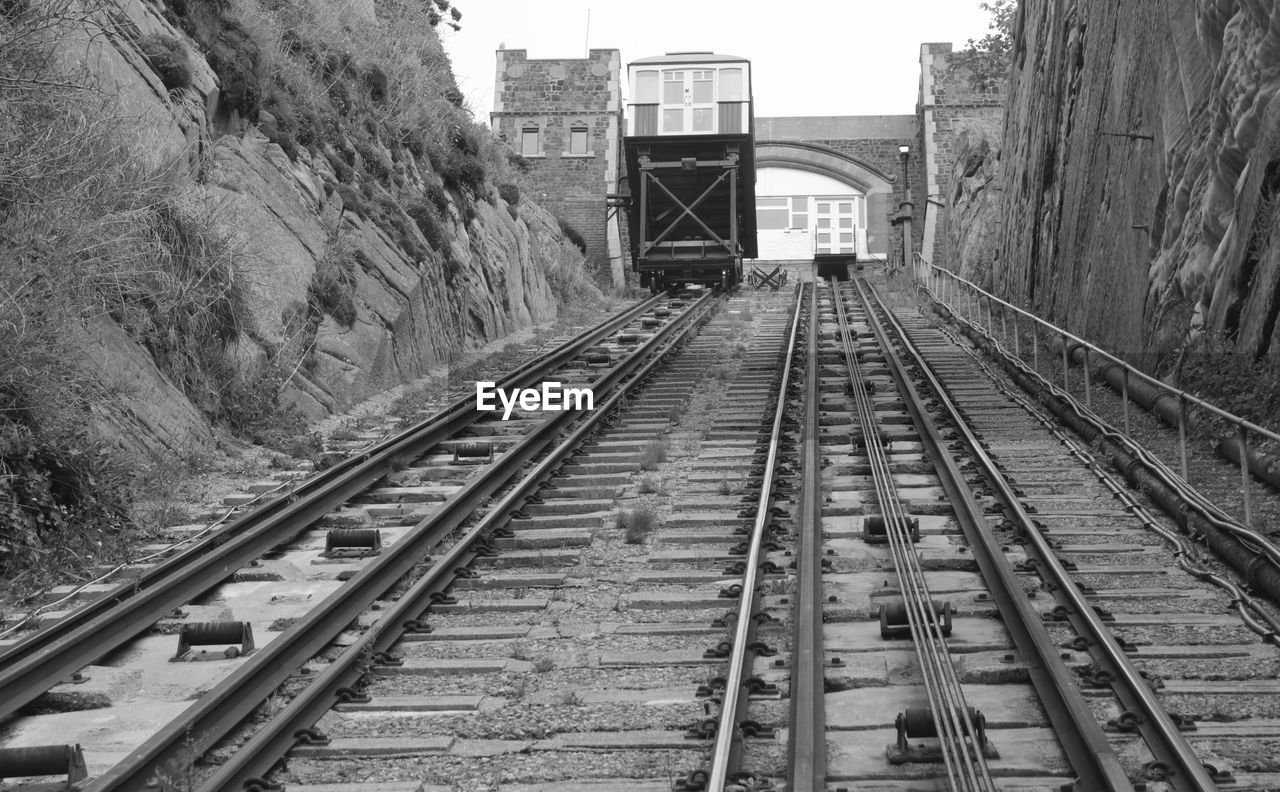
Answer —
689 149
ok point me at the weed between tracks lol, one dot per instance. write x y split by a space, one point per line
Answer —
654 454
637 523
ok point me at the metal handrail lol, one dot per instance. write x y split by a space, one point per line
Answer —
1181 394
930 279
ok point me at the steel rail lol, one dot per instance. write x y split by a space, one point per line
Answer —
1160 732
806 740
233 699
1249 609
961 749
54 653
273 739
1078 732
728 745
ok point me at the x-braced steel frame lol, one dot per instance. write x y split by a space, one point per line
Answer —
651 173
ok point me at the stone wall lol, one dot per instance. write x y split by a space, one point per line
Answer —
1140 167
555 96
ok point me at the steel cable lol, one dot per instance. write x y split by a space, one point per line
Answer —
959 742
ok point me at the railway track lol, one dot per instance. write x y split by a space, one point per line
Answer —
1113 656
854 556
266 554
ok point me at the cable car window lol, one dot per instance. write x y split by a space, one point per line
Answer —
846 222
578 140
673 87
702 119
703 88
673 119
824 208
529 141
731 85
646 87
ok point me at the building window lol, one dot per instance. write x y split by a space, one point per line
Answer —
771 214
800 212
530 140
578 140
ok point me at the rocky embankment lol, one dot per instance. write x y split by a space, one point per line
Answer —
406 303
1141 158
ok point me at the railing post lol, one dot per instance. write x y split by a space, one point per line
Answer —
1017 342
1124 395
1182 434
1088 398
1004 327
1243 435
1066 383
1035 346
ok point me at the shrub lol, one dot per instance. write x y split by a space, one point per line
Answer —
425 217
568 273
168 59
436 195
509 193
352 199
333 284
572 235
230 49
341 170
463 170
375 81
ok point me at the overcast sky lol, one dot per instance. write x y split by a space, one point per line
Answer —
853 57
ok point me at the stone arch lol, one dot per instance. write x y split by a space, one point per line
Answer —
816 158
867 179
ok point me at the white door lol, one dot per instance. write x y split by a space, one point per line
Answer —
688 101
835 225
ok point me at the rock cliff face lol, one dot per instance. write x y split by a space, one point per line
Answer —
409 314
1141 159
973 221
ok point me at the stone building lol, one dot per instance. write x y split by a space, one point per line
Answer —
825 184
564 116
